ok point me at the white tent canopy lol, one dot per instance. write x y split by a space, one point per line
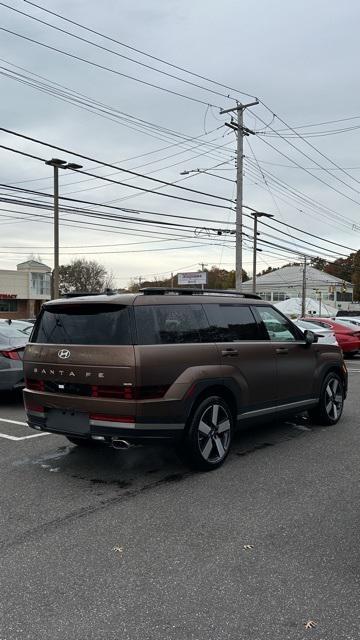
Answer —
292 307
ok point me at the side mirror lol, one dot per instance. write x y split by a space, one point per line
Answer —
310 337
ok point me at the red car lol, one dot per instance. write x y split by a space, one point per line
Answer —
348 338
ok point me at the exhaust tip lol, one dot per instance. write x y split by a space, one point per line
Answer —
118 443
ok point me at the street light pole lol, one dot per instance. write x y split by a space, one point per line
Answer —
56 233
256 215
57 164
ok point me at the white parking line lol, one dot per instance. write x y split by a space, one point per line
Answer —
23 424
17 438
33 435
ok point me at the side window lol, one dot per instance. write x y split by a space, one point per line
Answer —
231 322
171 324
278 328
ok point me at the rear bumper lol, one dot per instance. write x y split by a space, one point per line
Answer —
131 420
133 433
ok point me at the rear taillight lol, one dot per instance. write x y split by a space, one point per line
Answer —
120 393
35 385
12 354
105 417
129 393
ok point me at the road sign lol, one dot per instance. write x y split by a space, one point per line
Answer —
192 277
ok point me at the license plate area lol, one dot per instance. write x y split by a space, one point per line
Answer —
67 420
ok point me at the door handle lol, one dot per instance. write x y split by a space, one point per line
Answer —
282 351
229 352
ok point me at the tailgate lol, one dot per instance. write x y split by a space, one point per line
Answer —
78 369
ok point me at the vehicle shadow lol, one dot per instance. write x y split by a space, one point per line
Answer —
102 466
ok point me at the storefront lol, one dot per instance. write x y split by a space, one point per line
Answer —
22 292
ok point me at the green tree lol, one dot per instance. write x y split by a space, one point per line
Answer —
318 263
84 276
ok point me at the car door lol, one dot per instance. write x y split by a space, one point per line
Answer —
246 358
295 359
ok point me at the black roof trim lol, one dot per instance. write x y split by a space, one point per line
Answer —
79 294
154 291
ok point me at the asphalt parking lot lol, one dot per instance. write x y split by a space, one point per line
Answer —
105 544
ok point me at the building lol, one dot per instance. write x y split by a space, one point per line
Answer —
23 291
286 283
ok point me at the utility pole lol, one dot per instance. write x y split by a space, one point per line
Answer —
202 265
303 297
242 131
56 233
257 214
58 164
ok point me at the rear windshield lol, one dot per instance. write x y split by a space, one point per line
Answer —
83 324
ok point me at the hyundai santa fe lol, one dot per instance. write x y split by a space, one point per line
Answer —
174 364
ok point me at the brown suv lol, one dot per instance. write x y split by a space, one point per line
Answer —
177 364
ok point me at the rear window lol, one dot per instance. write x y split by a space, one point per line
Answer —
171 324
83 324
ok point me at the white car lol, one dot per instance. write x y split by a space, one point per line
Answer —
349 321
325 336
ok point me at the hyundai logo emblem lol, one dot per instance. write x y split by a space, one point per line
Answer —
64 354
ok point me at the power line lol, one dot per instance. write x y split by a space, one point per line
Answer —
52 88
310 173
120 55
104 68
310 234
112 166
304 242
305 198
315 161
148 55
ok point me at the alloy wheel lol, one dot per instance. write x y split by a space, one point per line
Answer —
214 433
334 399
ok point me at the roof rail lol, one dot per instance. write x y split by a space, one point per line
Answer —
153 291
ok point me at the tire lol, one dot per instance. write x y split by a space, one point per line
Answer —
331 402
82 442
209 435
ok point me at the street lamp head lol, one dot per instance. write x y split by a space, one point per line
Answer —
55 162
73 166
262 214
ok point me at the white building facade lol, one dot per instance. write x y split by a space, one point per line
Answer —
286 283
23 291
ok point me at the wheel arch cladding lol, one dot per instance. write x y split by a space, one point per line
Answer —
214 389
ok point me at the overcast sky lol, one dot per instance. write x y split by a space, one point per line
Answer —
299 58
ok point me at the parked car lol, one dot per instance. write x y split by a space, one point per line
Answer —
348 313
176 365
21 325
347 337
348 321
12 346
325 336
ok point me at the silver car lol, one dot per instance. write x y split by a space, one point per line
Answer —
12 345
325 336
